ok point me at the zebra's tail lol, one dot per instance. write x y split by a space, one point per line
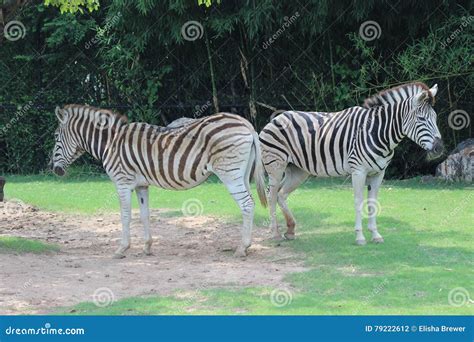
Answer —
258 173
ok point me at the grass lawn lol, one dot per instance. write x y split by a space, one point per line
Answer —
9 244
428 249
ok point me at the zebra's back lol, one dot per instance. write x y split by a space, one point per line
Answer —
180 156
317 142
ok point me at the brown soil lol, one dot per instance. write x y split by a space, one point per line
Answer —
189 253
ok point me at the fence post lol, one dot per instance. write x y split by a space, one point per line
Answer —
2 184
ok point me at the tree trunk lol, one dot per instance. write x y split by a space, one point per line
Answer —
2 184
213 80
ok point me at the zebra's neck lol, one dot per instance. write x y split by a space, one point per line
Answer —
95 130
387 124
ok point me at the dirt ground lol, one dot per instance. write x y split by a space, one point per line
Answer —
189 253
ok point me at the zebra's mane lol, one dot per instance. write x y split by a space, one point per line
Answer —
393 95
107 112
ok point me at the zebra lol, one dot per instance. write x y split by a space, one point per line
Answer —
136 155
357 141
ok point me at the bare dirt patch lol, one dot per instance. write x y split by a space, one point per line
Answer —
189 253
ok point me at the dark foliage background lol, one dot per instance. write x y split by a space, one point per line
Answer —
132 56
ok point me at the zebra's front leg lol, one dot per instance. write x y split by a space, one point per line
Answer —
125 195
142 195
358 182
373 183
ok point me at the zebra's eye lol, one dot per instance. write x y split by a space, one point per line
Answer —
422 118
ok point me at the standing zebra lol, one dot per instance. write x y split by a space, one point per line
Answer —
359 141
136 155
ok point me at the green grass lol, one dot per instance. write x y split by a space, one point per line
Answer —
428 249
9 244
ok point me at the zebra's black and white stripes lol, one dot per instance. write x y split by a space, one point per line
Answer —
180 156
359 141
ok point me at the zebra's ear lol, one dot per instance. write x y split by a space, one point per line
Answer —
434 90
421 97
61 115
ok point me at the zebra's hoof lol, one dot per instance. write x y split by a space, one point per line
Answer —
377 240
240 252
278 238
118 256
289 236
361 242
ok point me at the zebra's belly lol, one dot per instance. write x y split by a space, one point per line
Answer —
327 168
180 184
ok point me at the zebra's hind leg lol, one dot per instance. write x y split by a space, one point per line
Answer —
124 195
244 199
294 176
274 183
237 182
142 195
373 183
358 182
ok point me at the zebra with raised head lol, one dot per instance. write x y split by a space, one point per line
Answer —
137 155
357 141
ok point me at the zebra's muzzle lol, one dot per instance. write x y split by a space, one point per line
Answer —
59 171
437 150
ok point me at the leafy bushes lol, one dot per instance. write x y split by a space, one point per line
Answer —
133 56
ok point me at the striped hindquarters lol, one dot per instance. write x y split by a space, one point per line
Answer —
183 155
